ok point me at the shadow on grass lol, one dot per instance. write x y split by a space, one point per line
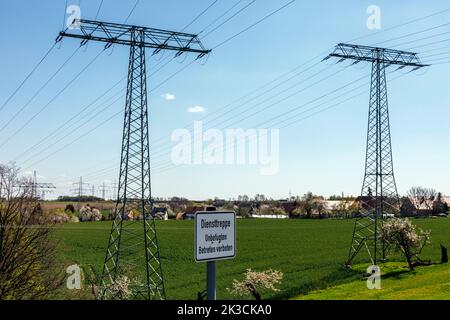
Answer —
397 274
339 276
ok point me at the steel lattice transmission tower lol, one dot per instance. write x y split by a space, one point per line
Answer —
379 195
37 189
133 249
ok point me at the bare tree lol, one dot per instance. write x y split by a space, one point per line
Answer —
27 255
422 198
311 203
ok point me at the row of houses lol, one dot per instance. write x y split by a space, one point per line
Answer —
290 209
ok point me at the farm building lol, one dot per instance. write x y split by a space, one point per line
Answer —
189 214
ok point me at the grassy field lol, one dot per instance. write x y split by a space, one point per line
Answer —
52 205
398 283
310 253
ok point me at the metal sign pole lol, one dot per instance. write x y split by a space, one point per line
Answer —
215 239
211 280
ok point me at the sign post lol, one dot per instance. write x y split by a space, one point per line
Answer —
215 239
211 280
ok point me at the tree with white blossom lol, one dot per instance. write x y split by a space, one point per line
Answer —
406 238
255 282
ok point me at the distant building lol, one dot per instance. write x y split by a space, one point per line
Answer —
289 207
446 200
189 214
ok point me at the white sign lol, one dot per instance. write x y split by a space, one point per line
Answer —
215 236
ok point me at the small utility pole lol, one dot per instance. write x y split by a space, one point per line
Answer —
79 190
37 189
114 191
103 189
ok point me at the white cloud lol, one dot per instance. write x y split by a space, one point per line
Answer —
169 97
196 109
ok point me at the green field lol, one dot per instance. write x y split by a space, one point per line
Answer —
398 283
310 253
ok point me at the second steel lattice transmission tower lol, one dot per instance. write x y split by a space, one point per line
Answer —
133 249
379 197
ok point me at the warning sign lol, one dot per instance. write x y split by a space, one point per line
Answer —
215 236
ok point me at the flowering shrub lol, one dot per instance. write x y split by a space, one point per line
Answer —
90 214
120 289
59 216
74 219
266 209
255 282
96 215
85 214
404 237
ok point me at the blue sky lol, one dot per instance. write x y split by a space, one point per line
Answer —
323 153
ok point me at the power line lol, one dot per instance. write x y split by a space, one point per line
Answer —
435 54
172 166
131 12
75 140
176 73
199 15
94 59
68 123
412 34
173 75
63 125
221 16
254 24
18 112
428 44
435 49
283 114
27 77
421 39
408 22
73 130
241 113
268 99
276 102
98 10
246 29
231 17
311 101
51 100
224 108
64 15
107 120
403 24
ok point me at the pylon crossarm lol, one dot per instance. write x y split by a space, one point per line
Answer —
114 33
383 56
